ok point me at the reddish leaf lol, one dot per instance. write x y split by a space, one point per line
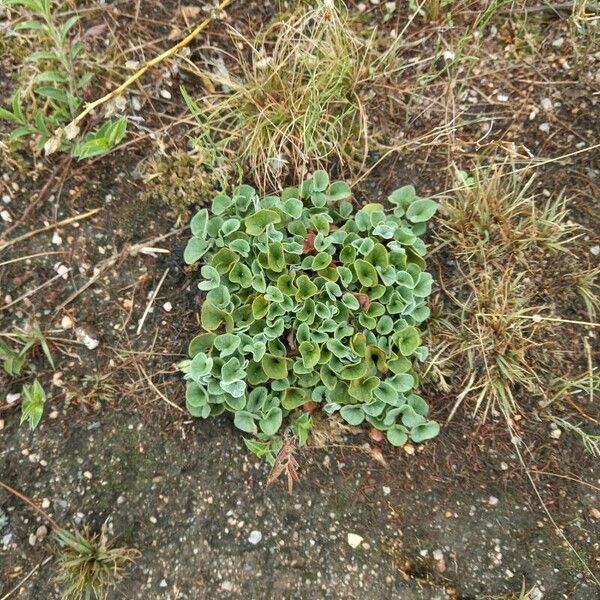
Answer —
309 242
363 300
309 406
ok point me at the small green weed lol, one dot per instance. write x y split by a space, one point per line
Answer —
14 361
50 89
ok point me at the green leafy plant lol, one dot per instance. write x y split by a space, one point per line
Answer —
34 399
50 96
13 361
309 300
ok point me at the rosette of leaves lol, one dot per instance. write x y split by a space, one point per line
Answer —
309 299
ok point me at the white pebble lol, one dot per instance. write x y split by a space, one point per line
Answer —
168 307
56 239
492 501
595 250
166 94
354 540
255 537
547 104
545 127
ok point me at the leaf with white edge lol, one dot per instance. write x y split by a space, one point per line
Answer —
227 343
198 224
212 279
221 203
424 431
354 415
245 421
257 222
396 436
200 366
194 250
320 181
339 190
421 210
271 422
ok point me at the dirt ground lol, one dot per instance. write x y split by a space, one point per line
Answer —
458 518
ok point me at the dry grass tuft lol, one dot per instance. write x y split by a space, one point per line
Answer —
89 566
296 97
500 330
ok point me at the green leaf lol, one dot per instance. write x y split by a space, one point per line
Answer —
32 408
220 204
245 421
241 274
306 288
271 423
200 366
49 77
257 222
212 278
320 181
227 343
212 317
198 224
354 415
231 371
275 367
339 190
408 340
362 389
365 272
421 210
195 395
397 436
424 431
321 261
276 257
194 250
293 397
310 353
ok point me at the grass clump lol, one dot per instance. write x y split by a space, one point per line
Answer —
296 98
310 303
515 282
89 566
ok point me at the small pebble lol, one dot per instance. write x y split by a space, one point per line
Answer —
6 216
56 239
493 501
168 307
166 94
255 537
354 540
544 127
87 475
